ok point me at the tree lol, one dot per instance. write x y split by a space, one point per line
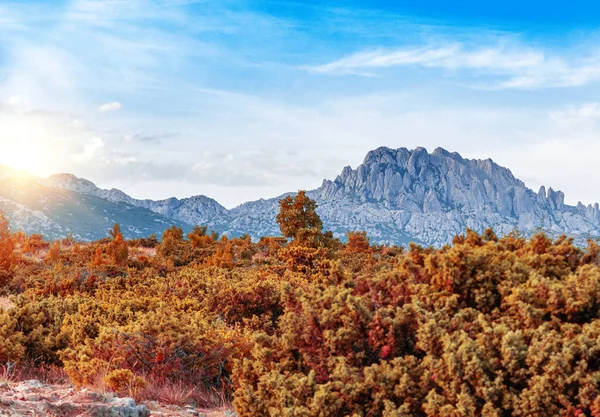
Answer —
198 231
118 248
199 238
115 232
172 246
358 243
223 257
7 248
298 218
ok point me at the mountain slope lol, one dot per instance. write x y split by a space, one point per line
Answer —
54 212
399 196
191 211
395 195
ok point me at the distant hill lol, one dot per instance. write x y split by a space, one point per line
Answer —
395 195
34 206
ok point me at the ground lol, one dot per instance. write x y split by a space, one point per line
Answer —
33 398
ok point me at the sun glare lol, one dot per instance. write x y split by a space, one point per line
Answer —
28 145
23 157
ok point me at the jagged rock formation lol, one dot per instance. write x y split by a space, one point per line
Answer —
399 196
414 195
395 195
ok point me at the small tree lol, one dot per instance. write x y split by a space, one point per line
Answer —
358 242
118 248
172 246
199 238
53 253
299 220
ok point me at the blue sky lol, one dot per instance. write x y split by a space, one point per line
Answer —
239 100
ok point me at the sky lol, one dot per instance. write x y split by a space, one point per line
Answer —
239 100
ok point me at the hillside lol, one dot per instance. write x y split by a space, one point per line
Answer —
395 195
35 207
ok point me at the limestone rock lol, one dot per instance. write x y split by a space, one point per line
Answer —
28 386
396 196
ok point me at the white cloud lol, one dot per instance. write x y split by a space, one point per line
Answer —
93 147
453 56
585 113
107 107
509 65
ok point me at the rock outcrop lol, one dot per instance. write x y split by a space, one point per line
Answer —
395 195
399 196
34 398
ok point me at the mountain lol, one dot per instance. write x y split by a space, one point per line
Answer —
400 196
395 195
429 198
35 207
191 211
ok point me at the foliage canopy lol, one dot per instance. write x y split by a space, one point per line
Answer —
313 327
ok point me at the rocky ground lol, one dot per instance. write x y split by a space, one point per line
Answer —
33 398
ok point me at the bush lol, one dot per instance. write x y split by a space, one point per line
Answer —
12 341
487 326
123 381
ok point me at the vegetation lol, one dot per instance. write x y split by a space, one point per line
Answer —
308 326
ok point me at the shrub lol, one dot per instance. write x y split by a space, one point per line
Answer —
123 381
487 326
12 341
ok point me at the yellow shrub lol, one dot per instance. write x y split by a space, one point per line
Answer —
123 381
12 341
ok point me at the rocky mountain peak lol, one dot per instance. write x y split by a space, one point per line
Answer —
417 180
70 182
395 195
414 192
542 192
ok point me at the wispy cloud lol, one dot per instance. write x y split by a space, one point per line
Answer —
453 56
587 114
112 106
496 66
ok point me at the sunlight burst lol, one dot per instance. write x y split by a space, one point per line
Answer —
30 145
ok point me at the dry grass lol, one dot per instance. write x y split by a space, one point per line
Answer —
170 393
12 372
9 372
46 374
181 394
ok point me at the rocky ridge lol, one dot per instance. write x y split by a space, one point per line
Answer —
192 211
395 195
400 196
430 198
